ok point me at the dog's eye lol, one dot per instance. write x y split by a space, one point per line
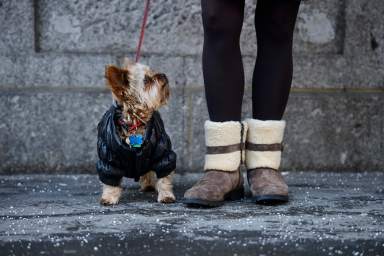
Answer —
147 79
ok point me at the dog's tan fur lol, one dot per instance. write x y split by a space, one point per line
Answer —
140 91
111 195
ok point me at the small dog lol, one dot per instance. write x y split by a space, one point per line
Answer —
139 92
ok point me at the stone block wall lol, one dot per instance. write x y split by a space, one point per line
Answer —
52 89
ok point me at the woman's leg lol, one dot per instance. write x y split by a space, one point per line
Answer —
272 77
224 87
222 65
274 21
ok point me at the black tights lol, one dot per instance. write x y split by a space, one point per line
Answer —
222 63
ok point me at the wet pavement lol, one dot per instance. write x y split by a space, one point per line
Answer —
329 214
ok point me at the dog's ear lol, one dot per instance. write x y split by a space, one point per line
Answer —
117 80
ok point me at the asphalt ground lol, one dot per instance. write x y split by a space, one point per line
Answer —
330 213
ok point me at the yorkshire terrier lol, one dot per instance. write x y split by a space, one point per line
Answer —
139 92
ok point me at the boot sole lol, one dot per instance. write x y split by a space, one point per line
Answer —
201 203
270 199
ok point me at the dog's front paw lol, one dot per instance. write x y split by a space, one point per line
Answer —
109 201
166 197
111 195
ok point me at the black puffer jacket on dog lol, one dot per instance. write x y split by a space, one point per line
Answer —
117 159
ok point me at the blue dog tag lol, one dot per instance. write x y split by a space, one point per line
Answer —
136 140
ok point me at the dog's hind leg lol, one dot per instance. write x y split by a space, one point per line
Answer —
164 189
148 181
111 195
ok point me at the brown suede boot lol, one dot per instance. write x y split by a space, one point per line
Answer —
222 179
263 156
214 188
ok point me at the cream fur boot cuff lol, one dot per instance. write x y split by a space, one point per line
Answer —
264 143
224 142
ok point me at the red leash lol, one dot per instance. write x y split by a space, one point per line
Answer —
143 24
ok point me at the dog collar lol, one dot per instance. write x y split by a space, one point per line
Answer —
134 140
130 128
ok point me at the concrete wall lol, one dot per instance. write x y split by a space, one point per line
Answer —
52 91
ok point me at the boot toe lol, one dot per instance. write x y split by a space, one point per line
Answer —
198 199
203 193
267 186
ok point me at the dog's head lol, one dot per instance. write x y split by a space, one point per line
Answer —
136 85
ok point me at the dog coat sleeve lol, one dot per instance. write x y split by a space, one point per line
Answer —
107 173
164 158
164 166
